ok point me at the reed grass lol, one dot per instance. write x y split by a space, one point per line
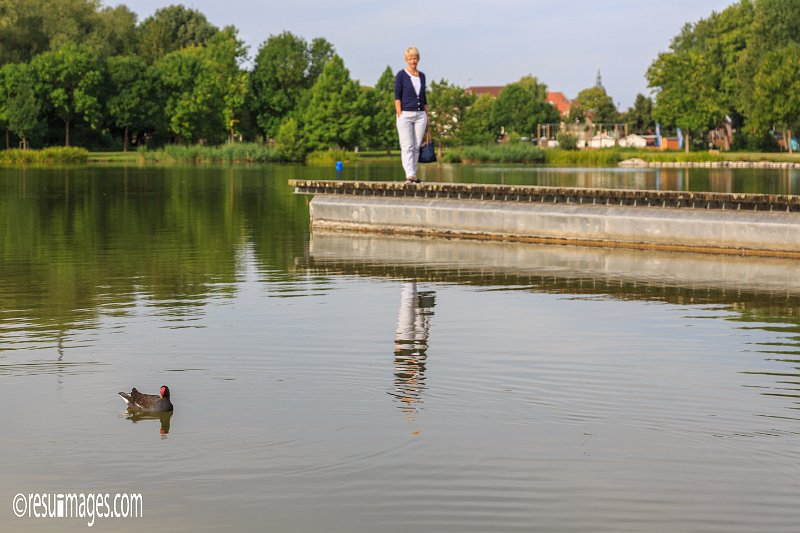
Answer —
226 153
331 156
54 155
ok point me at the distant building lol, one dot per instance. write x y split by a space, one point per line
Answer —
560 101
557 99
493 90
633 141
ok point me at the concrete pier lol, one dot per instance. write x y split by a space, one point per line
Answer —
746 224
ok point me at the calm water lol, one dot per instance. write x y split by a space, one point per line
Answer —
344 383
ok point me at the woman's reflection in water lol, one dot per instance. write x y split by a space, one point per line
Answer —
411 346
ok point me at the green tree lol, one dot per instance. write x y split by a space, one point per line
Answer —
639 117
336 111
170 29
278 79
477 125
598 102
447 105
285 68
684 92
291 144
132 88
30 27
521 107
777 91
711 52
320 51
21 107
225 54
70 79
194 102
775 24
383 132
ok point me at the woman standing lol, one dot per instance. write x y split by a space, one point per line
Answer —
411 108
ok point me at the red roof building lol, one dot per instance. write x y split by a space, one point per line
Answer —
558 99
494 90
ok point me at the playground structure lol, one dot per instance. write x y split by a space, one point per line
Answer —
588 134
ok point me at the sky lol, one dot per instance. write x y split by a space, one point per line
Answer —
494 42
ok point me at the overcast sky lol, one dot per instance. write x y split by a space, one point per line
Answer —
494 42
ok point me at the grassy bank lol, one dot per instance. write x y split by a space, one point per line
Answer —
57 155
506 153
606 157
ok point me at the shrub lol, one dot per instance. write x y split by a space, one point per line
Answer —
226 153
291 146
567 141
504 153
47 156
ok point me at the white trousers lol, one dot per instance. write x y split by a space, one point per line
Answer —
411 130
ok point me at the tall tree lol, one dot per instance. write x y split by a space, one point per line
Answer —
279 78
447 105
20 106
383 133
705 60
775 24
685 94
132 88
225 54
597 101
172 28
285 68
70 79
320 51
193 103
777 91
336 111
30 27
521 107
477 125
639 117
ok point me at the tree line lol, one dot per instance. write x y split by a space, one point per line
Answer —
76 72
741 63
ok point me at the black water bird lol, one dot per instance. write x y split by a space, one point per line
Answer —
148 403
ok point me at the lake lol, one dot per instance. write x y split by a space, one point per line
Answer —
348 383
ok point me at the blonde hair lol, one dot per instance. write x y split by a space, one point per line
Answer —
412 51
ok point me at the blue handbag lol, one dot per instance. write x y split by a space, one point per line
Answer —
427 151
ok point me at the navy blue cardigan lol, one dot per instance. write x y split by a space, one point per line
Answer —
404 91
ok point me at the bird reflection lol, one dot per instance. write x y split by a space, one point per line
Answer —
411 346
164 418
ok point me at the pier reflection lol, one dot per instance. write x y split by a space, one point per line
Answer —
760 294
411 346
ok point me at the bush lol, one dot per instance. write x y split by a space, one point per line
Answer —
451 156
504 153
291 146
47 156
567 141
226 153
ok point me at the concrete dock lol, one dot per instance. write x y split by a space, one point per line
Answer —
743 224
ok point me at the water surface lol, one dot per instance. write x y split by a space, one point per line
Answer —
353 383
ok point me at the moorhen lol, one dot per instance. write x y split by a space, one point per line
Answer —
148 403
